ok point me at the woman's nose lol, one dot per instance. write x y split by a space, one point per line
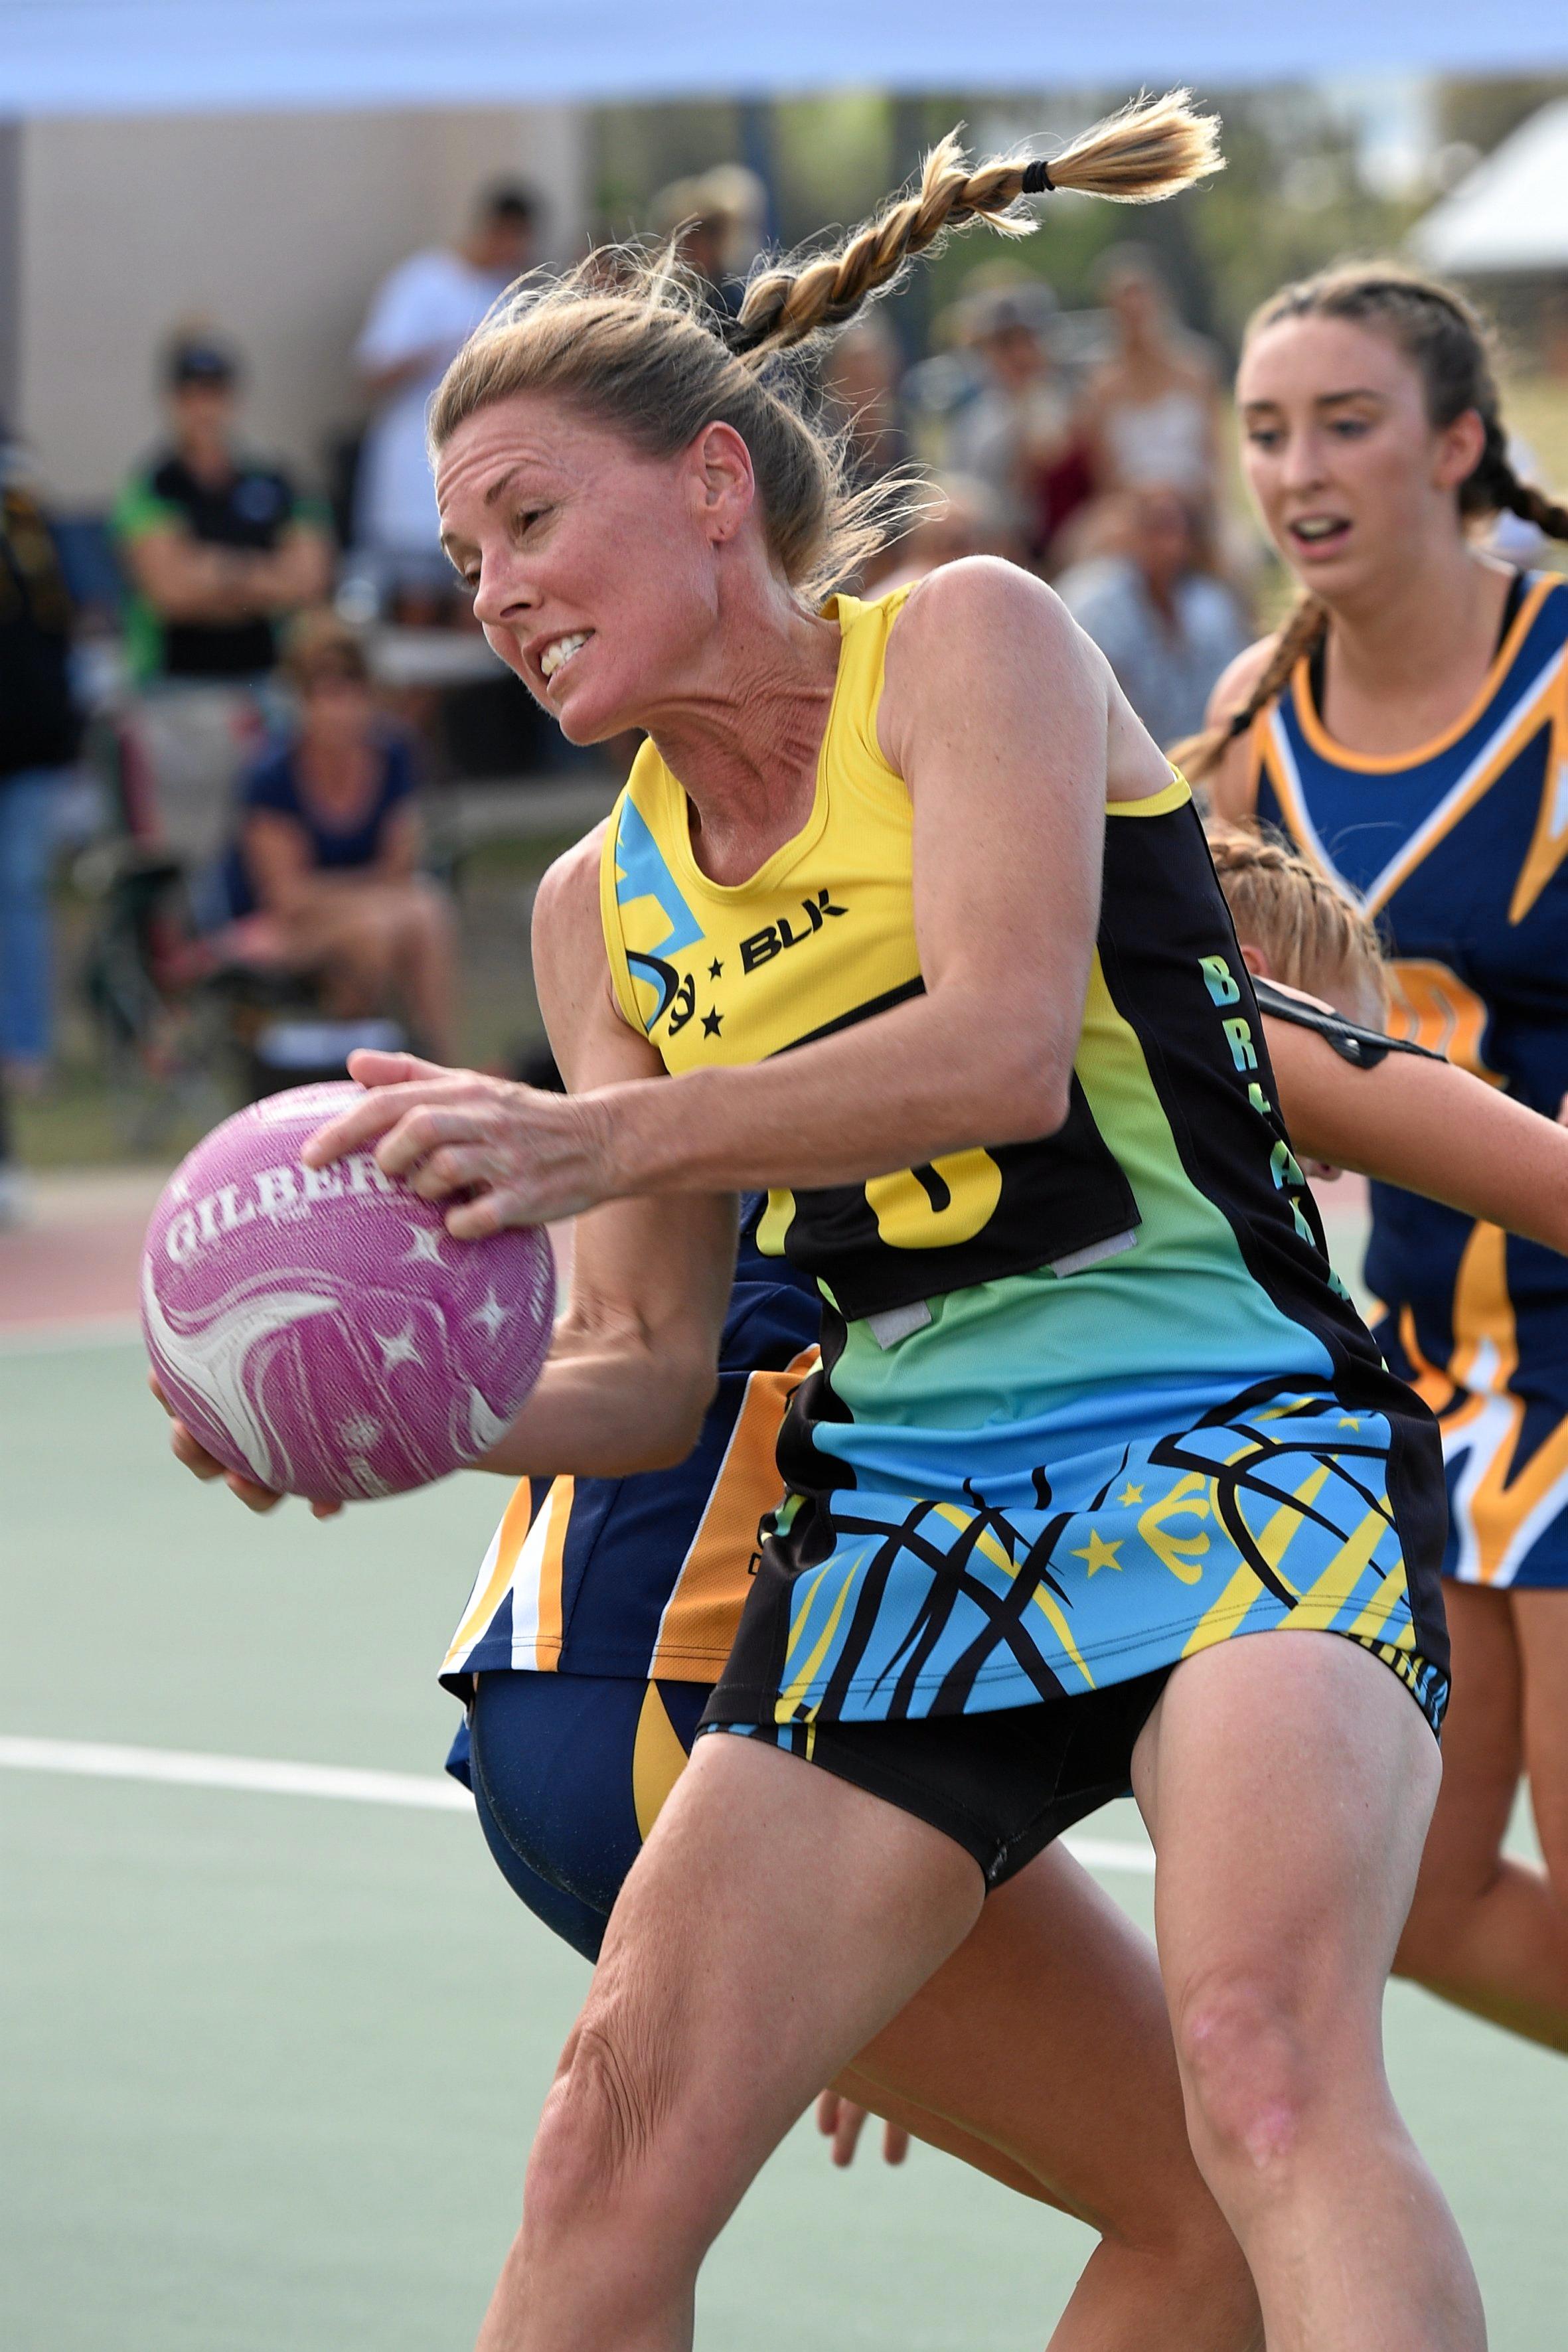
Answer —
498 599
1301 464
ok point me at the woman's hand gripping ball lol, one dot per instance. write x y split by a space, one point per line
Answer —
505 1154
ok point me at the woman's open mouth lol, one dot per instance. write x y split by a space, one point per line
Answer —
1319 534
555 655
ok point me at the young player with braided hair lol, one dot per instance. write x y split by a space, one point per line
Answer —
1407 728
903 917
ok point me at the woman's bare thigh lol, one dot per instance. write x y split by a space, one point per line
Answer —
1045 2040
1482 1750
775 1920
1541 1625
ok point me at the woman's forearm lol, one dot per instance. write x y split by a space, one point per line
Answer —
939 1075
1428 1127
605 1408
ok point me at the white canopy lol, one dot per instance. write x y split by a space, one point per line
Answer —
1511 212
95 57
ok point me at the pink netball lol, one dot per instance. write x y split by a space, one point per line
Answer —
318 1329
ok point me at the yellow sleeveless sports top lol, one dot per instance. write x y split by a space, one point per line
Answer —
820 937
787 954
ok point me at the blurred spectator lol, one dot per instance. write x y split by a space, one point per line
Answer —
13 1197
1166 626
860 381
420 318
715 221
39 732
220 546
1155 403
218 543
960 516
1020 434
322 877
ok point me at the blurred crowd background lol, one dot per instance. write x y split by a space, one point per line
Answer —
264 791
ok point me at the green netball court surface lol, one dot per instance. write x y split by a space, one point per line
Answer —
271 2061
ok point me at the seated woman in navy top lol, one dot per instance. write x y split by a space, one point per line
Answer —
322 877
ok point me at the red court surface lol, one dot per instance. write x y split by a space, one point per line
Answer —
71 1264
72 1260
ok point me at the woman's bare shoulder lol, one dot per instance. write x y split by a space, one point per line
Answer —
567 903
960 625
977 593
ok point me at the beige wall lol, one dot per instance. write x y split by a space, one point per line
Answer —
275 228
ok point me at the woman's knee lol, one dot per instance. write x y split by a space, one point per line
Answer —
604 2138
1251 2071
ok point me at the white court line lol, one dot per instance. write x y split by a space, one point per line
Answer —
271 1776
260 1775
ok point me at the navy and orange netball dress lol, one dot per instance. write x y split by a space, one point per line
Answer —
1087 1405
603 1615
1457 849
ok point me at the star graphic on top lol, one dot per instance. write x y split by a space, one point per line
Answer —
712 1023
1099 1553
715 969
493 1314
425 1247
399 1349
1130 1494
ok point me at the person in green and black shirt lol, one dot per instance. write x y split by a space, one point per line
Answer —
39 733
219 545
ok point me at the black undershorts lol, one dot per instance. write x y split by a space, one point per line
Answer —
1002 1784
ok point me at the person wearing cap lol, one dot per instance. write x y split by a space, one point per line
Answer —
420 317
1021 433
715 223
219 545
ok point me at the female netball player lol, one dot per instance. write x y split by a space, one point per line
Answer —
1409 728
903 917
606 1608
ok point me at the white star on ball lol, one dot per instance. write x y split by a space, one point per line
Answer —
493 1314
399 1349
426 1246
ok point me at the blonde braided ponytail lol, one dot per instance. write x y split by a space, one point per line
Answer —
628 340
1313 937
1152 149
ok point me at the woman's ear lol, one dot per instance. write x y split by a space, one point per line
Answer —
1257 962
1461 446
724 480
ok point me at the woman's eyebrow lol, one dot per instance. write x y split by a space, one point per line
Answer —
498 490
1320 400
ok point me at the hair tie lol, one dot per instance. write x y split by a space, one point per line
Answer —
1037 180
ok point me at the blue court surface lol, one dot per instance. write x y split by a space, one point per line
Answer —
273 2055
